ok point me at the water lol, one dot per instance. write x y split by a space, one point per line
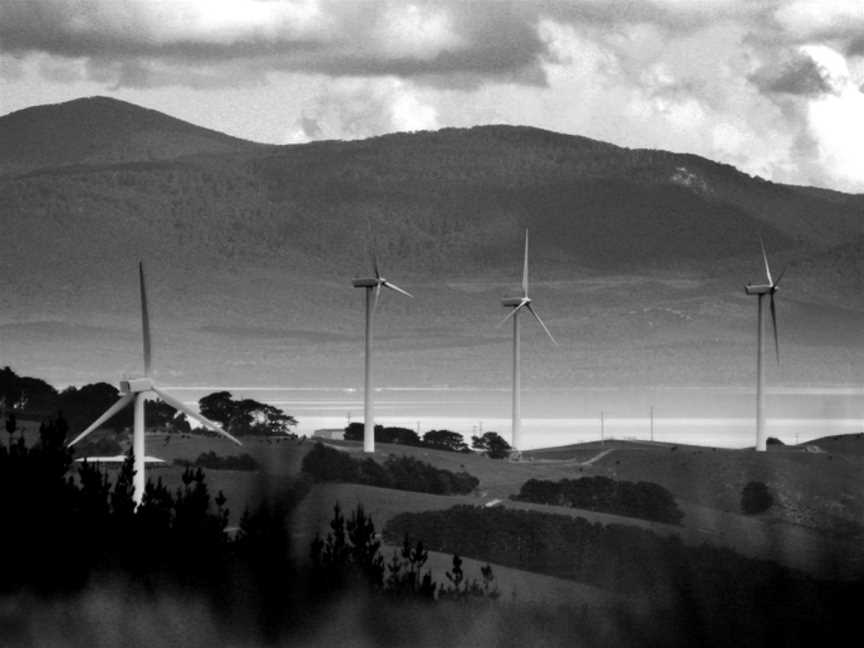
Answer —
709 416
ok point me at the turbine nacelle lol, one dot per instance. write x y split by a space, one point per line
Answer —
136 385
366 283
515 302
760 289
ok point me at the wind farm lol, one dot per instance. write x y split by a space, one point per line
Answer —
676 496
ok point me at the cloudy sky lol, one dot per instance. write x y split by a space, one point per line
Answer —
771 86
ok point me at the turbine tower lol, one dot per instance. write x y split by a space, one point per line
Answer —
139 390
372 284
517 304
760 290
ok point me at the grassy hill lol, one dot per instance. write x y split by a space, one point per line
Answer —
813 526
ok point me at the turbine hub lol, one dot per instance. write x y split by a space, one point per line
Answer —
366 282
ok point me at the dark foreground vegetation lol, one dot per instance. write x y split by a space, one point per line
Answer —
402 473
81 566
644 500
70 532
216 462
714 596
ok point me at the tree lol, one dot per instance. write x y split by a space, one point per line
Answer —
218 407
495 446
11 425
445 440
160 415
355 431
405 436
82 406
20 392
756 498
245 416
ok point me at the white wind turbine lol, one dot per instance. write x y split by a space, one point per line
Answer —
372 284
138 390
517 304
760 290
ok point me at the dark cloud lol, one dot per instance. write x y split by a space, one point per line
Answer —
799 75
431 39
437 42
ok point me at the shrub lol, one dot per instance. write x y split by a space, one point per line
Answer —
402 473
644 500
756 498
214 462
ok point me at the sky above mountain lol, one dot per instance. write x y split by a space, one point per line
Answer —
773 87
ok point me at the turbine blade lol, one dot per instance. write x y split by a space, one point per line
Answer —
377 297
145 320
111 411
540 321
780 276
774 323
188 411
373 249
392 286
511 313
765 259
375 263
525 268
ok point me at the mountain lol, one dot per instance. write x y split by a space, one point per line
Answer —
99 130
250 249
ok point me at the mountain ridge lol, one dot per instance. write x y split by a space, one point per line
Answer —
637 248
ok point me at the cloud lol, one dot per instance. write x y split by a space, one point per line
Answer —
807 21
755 84
798 74
357 108
429 38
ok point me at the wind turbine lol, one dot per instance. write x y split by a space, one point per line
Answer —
517 304
138 390
372 284
760 290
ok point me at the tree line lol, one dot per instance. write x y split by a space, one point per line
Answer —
645 500
399 472
490 443
35 399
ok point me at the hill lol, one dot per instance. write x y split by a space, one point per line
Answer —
99 130
634 252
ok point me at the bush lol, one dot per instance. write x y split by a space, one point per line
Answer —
756 498
214 462
644 500
402 473
494 445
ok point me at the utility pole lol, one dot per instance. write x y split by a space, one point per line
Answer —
652 424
